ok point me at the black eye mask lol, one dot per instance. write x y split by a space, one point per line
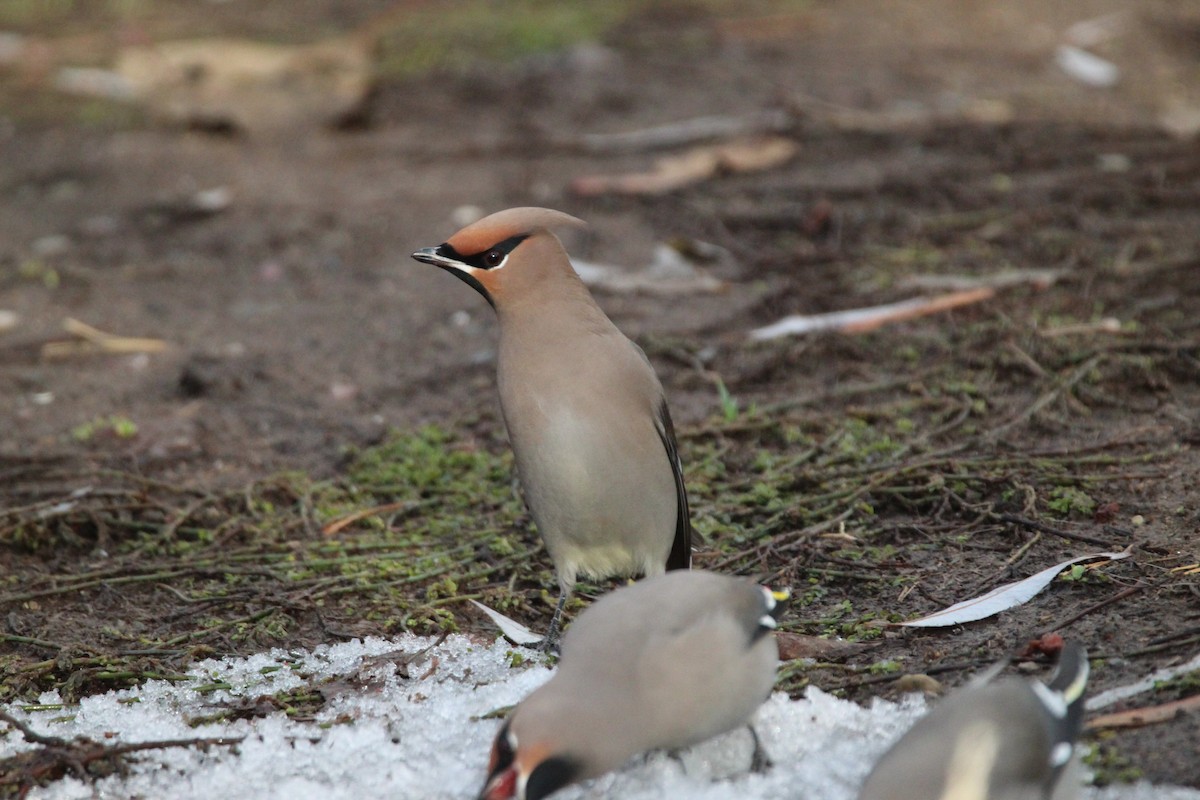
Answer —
485 259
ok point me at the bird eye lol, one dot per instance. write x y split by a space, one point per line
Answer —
493 258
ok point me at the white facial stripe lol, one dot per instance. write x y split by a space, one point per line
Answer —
767 621
1061 754
1052 701
768 598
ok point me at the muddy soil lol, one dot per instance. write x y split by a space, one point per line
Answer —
936 141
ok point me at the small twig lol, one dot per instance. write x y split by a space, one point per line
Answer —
12 637
1115 598
1026 360
335 526
1106 325
1022 550
29 733
1014 519
1049 397
1039 278
1162 646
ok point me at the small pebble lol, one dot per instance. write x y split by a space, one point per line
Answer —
213 201
342 391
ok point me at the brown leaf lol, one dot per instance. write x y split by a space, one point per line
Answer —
752 154
797 645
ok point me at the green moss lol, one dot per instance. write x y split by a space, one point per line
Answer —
1109 765
1067 501
115 424
461 34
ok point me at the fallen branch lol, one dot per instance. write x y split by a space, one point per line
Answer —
56 756
1033 524
1150 715
862 320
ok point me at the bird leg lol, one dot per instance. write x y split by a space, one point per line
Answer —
759 761
550 643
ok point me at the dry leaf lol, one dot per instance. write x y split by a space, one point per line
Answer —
797 645
1002 598
700 163
513 631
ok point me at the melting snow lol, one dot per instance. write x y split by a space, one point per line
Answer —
386 735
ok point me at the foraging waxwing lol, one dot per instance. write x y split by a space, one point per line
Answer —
663 663
586 415
1007 740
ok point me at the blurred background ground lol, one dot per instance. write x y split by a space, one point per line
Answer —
259 228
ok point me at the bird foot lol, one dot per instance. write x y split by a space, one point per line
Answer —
759 760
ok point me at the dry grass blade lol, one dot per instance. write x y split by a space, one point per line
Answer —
93 341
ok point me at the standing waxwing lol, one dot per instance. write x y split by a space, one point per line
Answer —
1007 740
586 415
664 663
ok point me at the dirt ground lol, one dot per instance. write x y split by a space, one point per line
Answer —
882 475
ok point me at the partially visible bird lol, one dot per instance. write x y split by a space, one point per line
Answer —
586 415
664 663
1007 740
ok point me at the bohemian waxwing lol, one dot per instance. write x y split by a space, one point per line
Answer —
586 415
663 663
1007 740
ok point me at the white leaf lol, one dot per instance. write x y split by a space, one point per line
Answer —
512 630
1002 598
